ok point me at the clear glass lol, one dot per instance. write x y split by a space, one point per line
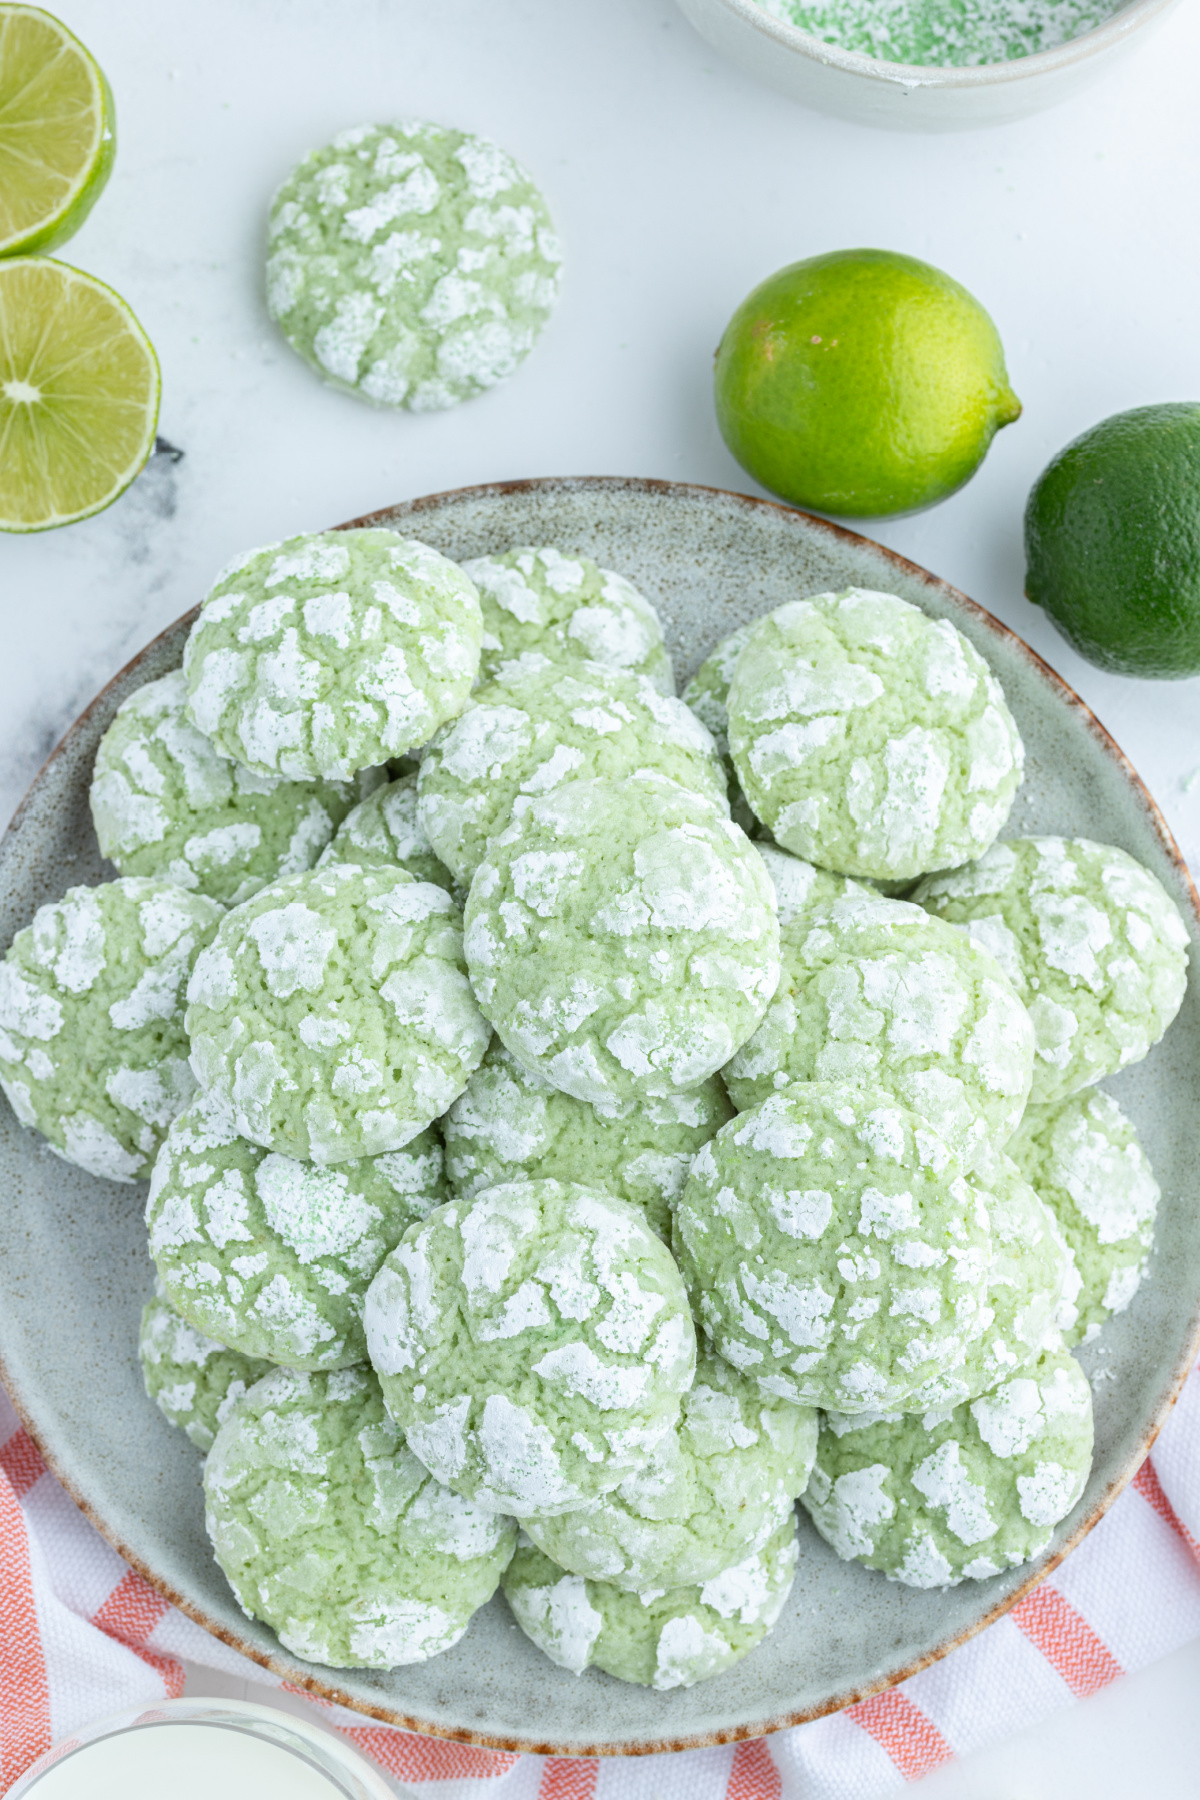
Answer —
255 1754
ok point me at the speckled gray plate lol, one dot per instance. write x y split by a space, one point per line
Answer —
73 1263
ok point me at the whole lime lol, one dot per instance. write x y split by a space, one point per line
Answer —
862 382
1112 542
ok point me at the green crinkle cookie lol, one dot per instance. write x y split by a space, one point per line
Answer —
710 1494
621 936
875 992
332 1013
166 803
1094 945
800 890
194 1381
569 609
533 1344
961 1495
833 1249
330 1531
325 654
870 738
273 1256
93 1052
1083 1158
539 726
411 264
707 693
664 1638
510 1125
383 831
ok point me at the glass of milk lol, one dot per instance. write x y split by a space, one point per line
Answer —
202 1750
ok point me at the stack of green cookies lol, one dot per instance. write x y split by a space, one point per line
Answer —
550 1181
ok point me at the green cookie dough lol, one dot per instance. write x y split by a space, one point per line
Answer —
870 738
960 1495
707 693
383 832
1083 1158
329 1530
194 1381
533 1344
325 654
664 1638
1094 945
621 936
411 264
833 1249
710 1494
569 609
800 890
273 1256
510 1125
540 726
332 1013
93 1052
875 992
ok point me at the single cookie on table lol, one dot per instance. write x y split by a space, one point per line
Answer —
878 993
93 1052
332 1013
274 1256
1091 941
411 264
622 938
956 1495
1083 1158
328 1529
383 831
833 1249
870 738
510 1125
331 652
193 1380
710 1494
533 1344
540 725
660 1638
569 609
802 890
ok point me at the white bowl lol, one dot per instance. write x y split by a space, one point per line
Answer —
903 95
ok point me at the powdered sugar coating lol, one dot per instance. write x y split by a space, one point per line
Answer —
622 938
332 1014
510 1125
93 1052
832 1248
659 1638
383 831
533 1344
194 1381
540 725
332 652
1092 942
870 738
539 601
329 1530
711 1493
1084 1160
962 1494
877 992
411 264
802 890
273 1256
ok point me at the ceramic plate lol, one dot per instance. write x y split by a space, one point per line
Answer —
74 1269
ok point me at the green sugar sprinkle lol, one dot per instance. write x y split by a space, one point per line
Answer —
943 33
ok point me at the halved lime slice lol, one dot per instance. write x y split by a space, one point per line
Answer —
57 131
79 389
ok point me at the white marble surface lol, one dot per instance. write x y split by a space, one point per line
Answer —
676 185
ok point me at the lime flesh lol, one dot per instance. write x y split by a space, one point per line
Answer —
57 131
79 391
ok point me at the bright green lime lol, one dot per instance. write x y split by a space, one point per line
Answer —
1112 542
57 131
862 383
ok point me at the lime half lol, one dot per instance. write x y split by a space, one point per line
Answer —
79 389
57 131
